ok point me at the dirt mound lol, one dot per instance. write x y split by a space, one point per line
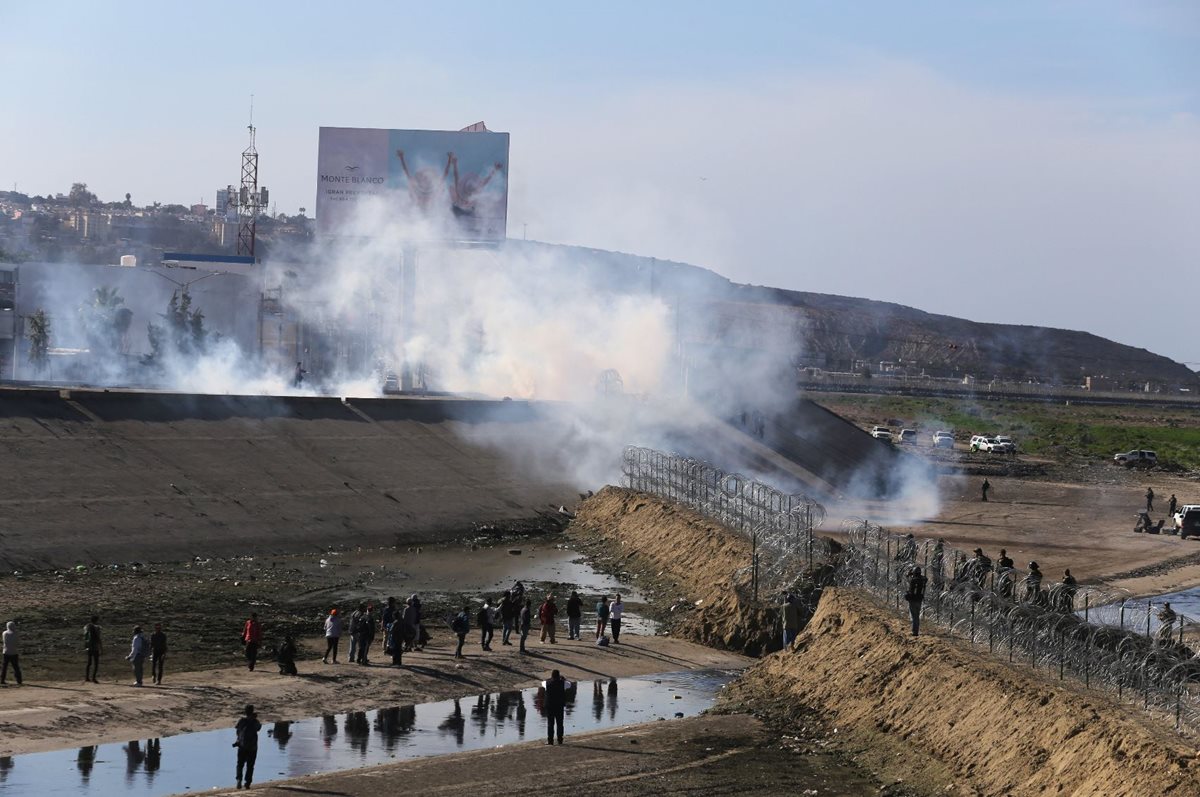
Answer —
697 556
934 712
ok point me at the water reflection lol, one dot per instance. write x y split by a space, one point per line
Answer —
281 733
203 761
85 761
454 725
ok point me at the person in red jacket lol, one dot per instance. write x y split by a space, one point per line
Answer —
252 636
546 614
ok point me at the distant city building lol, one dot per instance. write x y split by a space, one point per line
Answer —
200 210
222 201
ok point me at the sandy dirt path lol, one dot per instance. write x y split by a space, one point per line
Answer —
1084 527
47 716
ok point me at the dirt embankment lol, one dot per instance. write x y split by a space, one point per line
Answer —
947 719
697 558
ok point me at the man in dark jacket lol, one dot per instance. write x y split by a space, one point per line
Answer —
92 644
915 596
555 705
461 626
247 745
508 617
574 615
158 653
366 634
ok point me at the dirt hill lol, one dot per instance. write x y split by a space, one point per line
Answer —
833 332
936 713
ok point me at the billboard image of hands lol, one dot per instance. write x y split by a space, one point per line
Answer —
450 185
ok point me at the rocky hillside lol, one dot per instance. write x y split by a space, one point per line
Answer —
840 333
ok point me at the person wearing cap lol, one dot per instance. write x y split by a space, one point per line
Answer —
1066 594
247 746
915 596
333 633
1033 584
138 649
981 565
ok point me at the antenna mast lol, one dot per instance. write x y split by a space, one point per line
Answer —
249 200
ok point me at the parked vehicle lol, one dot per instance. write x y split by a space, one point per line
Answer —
881 433
908 436
943 440
1187 521
1138 458
1003 438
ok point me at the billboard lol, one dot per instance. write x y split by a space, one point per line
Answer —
451 186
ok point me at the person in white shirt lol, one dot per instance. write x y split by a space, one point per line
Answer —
12 649
615 610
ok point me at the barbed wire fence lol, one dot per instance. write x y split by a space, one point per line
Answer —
1100 636
780 526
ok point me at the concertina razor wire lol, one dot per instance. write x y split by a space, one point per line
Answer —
1099 636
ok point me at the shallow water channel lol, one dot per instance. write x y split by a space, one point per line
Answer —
205 760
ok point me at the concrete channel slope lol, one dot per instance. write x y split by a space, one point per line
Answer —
821 450
118 476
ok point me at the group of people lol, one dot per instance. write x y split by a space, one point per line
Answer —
141 648
976 570
514 613
402 627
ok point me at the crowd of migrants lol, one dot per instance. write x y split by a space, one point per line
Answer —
402 629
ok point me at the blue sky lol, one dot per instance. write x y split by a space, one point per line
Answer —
902 151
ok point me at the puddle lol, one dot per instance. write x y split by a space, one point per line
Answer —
486 571
203 761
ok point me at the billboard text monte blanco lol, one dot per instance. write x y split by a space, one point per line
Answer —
438 185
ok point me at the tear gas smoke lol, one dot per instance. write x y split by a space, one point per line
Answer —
612 350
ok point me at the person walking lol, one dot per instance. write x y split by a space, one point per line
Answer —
12 653
601 616
1149 499
355 618
93 645
508 616
247 746
366 635
574 614
139 648
486 630
1172 505
987 485
461 625
915 596
252 635
158 653
418 640
526 622
791 619
615 610
410 621
555 705
333 633
547 613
